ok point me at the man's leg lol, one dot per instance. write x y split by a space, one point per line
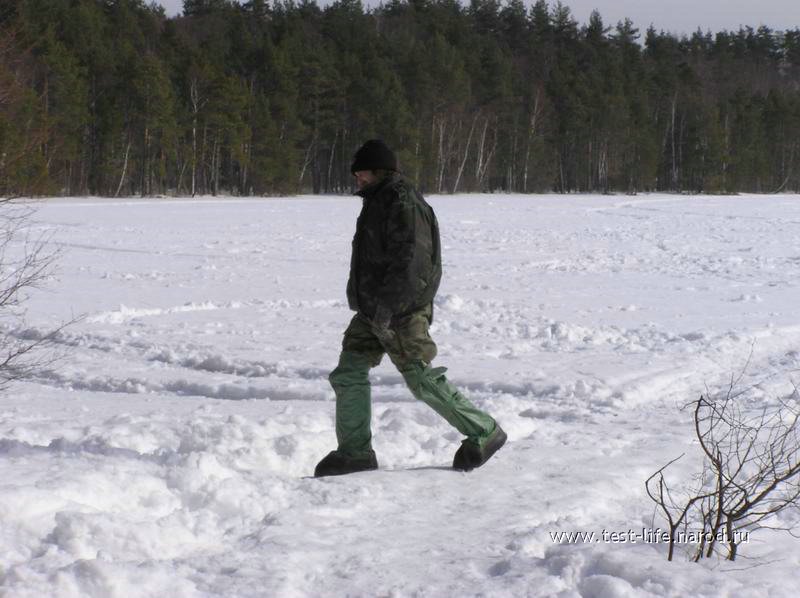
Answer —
350 382
430 386
361 351
412 352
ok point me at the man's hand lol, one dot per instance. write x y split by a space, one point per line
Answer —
382 319
380 326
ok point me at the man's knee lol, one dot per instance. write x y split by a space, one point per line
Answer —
411 372
417 374
353 369
414 343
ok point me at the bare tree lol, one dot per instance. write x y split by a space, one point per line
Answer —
25 262
750 473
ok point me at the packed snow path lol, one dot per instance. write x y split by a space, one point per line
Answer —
167 451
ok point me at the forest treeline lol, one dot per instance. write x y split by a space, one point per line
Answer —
112 97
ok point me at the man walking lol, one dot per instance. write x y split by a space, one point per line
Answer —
395 271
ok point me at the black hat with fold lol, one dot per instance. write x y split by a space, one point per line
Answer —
374 155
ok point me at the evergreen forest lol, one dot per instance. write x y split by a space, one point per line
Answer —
114 98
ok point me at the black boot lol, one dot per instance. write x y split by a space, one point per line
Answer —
470 455
336 463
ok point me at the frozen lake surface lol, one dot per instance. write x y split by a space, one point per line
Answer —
167 452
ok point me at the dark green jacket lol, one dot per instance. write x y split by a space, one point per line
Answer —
396 260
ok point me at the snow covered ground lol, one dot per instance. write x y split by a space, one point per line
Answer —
168 452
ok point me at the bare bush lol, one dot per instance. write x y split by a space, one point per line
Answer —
750 473
25 262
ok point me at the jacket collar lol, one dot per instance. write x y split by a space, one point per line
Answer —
371 190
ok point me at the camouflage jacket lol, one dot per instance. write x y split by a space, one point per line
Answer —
396 260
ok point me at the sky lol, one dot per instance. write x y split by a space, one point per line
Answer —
677 16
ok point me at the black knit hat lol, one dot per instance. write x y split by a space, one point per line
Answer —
374 155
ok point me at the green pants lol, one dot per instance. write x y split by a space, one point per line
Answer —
411 351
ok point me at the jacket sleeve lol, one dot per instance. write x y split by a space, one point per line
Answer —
398 286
